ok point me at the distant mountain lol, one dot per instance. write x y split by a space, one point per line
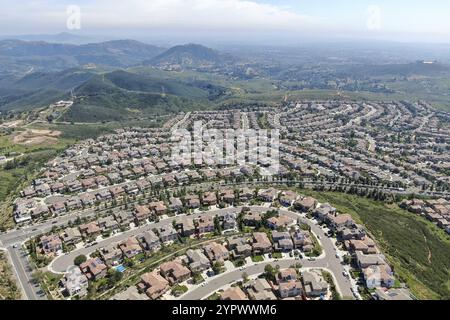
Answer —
63 37
190 55
21 56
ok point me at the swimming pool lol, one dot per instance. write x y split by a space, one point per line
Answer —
120 268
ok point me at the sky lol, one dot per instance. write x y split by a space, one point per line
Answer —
258 21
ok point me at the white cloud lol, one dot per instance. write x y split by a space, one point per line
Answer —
191 13
172 14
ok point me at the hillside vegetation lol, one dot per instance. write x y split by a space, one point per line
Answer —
417 249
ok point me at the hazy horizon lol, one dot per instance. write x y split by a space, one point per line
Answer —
256 22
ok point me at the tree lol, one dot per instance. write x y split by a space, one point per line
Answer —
270 272
114 277
80 259
217 267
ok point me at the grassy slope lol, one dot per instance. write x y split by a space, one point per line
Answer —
13 180
8 287
417 249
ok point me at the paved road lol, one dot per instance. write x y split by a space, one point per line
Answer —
17 236
61 263
23 272
329 261
20 235
222 280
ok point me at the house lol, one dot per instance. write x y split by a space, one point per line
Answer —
306 204
57 187
181 177
378 276
124 217
194 176
131 189
280 221
314 283
74 186
108 223
169 180
51 244
260 289
58 208
28 192
87 199
153 284
287 198
101 180
142 184
323 210
216 252
288 283
114 177
174 272
158 207
336 222
228 220
282 241
366 245
175 204
103 194
261 243
71 236
73 203
192 201
227 196
88 183
355 233
252 218
239 247
287 275
205 224
141 213
186 227
268 195
233 293
111 254
130 247
366 260
39 210
167 234
94 269
302 240
117 191
209 199
149 241
292 288
43 190
197 260
75 283
156 181
90 229
246 194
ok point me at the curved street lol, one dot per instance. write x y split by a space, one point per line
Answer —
327 260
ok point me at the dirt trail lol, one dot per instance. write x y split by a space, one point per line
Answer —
429 251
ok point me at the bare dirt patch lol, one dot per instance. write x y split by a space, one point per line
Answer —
35 136
11 124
